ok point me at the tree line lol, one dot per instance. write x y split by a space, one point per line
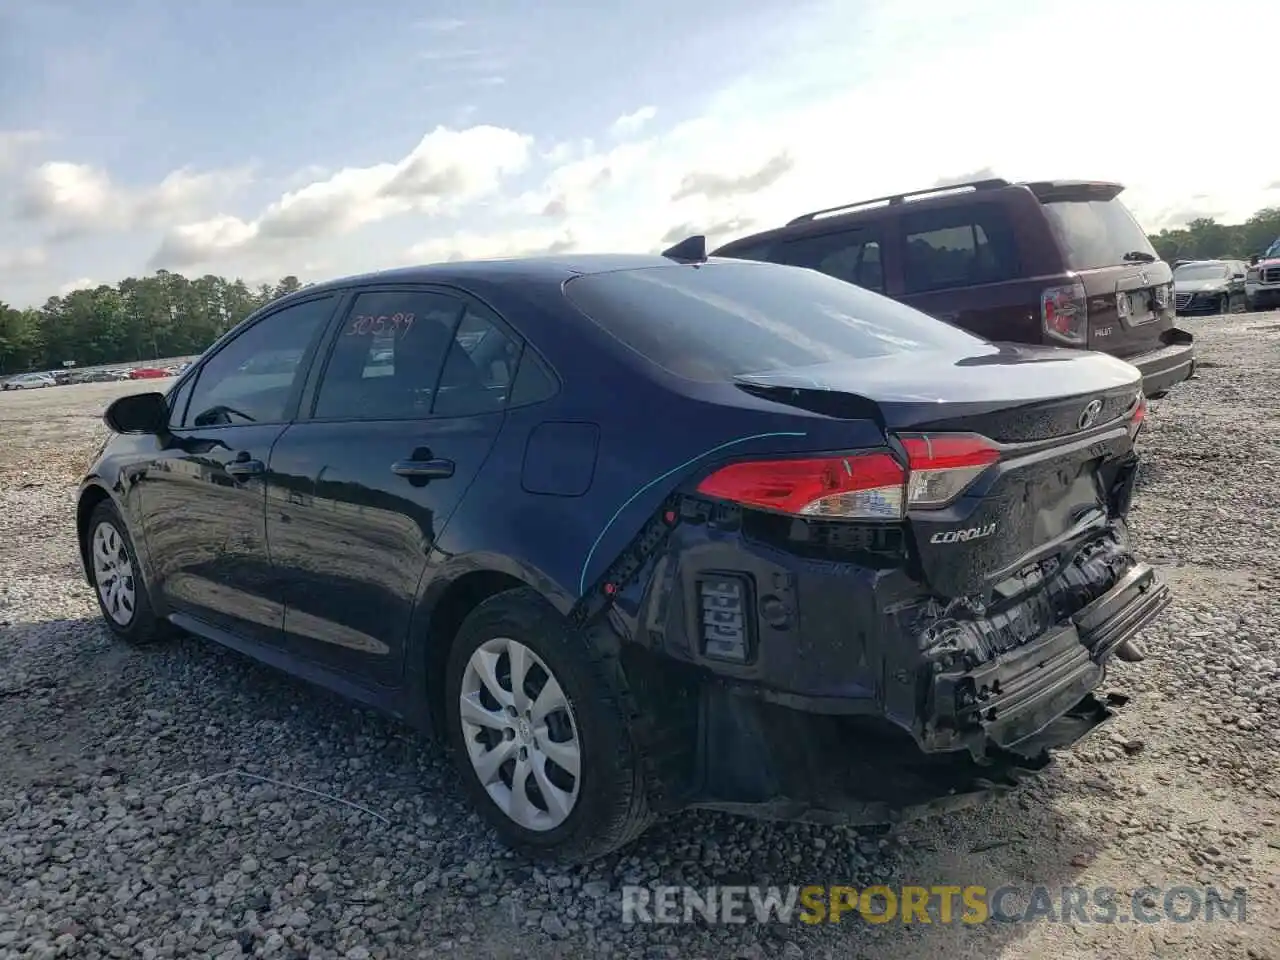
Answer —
168 315
1206 239
141 318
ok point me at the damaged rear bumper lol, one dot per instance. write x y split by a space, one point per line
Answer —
976 707
1017 695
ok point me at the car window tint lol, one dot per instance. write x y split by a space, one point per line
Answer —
481 366
849 255
178 402
1097 233
533 382
250 379
726 319
387 356
755 251
958 247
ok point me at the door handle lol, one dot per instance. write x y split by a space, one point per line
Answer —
423 469
244 466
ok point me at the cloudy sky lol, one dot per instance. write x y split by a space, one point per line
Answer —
321 138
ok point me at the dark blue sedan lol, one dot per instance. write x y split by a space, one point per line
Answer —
642 533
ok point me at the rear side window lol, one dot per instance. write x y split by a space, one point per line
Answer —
958 247
849 255
721 320
1097 233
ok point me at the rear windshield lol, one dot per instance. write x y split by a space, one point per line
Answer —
722 320
1097 233
1201 271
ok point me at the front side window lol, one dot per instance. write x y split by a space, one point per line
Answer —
251 379
958 247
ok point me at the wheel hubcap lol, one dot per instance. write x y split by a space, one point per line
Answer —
520 734
113 574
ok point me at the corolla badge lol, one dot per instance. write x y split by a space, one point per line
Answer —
964 536
1089 415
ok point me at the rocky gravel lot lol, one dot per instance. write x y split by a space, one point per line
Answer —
185 801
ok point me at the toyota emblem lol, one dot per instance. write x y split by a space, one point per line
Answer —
1089 415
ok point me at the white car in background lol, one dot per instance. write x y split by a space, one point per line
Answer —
28 381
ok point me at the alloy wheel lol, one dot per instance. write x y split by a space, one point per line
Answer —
520 734
113 574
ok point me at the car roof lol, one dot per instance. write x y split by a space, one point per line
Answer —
831 218
550 269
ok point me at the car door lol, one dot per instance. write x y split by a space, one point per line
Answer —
203 499
396 425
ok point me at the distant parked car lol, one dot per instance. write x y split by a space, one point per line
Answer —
148 373
1262 286
29 381
99 376
1208 286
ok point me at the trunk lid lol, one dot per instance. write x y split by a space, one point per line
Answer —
1060 418
1128 288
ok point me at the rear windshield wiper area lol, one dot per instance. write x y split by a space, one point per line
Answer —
1138 256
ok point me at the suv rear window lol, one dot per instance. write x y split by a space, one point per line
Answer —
721 320
1096 233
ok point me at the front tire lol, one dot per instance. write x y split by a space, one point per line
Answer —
1224 306
536 721
117 579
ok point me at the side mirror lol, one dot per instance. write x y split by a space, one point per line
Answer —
138 413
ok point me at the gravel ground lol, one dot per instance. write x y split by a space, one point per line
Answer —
111 844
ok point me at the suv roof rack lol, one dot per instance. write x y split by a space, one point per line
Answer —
993 183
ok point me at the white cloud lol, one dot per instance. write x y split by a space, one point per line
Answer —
21 260
629 124
441 25
76 198
84 283
446 170
471 246
854 101
14 144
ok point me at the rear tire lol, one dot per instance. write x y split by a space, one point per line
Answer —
515 744
117 579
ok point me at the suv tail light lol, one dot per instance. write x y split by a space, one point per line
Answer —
1064 312
864 486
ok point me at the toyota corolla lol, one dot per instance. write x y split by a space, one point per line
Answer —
643 533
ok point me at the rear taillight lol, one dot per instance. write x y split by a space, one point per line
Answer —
1138 416
868 486
944 465
1064 312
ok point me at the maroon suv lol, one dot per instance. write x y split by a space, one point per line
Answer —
1059 262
